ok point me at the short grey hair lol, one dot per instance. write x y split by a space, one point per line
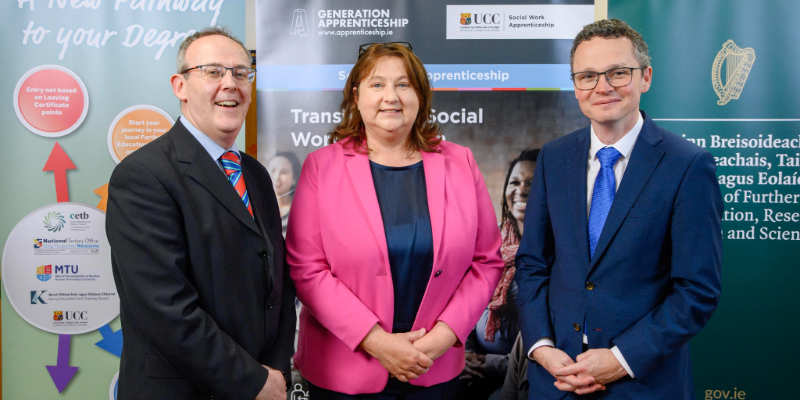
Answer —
612 28
209 31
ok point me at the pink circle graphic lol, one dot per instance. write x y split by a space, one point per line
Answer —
51 100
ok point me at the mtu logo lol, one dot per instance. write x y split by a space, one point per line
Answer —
44 272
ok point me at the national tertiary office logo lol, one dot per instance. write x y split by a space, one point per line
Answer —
466 18
44 272
299 23
54 221
37 243
737 63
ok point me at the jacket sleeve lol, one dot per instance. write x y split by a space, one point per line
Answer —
282 350
534 261
472 295
328 299
696 246
149 252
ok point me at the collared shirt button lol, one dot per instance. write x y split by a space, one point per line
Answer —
436 275
577 326
589 286
269 306
262 254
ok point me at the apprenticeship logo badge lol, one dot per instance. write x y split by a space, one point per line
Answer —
299 24
54 221
44 272
466 18
36 296
737 63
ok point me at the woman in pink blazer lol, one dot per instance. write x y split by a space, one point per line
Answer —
392 241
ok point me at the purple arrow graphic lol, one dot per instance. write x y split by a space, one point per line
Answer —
111 341
62 373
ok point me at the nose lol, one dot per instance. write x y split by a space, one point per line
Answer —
227 80
602 84
390 94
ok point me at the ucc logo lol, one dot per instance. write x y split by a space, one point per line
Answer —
487 19
75 315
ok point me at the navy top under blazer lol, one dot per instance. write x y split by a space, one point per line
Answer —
654 280
403 200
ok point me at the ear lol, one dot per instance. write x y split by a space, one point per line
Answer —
355 96
647 78
178 82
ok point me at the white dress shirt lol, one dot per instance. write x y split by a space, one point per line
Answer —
625 147
214 150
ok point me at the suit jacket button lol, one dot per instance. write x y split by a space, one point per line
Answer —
436 275
589 285
262 254
269 306
577 326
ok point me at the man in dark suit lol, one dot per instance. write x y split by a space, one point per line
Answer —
620 262
198 257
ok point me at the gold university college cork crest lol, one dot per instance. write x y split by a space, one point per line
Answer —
738 63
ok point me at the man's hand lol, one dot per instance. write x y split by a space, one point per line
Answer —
599 365
474 366
436 342
274 388
396 352
555 361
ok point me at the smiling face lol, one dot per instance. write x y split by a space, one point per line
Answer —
218 108
518 189
280 170
386 101
605 105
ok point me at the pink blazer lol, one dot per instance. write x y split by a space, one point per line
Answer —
336 248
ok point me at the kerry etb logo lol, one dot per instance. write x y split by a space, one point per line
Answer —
466 18
44 272
54 221
737 63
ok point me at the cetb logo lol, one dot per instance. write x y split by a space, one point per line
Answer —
299 24
44 272
466 18
36 296
83 215
58 315
54 221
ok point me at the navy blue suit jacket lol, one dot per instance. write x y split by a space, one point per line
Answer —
654 280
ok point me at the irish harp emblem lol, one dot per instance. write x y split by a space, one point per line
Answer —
737 64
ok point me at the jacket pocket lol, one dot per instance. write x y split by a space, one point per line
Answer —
646 210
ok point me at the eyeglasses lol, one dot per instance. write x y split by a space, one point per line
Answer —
616 77
215 73
363 48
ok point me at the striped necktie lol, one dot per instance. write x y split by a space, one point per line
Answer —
233 168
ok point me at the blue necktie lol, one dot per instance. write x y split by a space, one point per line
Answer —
603 195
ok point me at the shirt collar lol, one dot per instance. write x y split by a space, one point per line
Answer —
214 150
624 146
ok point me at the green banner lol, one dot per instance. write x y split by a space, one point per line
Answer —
724 78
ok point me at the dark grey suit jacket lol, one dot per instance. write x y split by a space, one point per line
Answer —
205 294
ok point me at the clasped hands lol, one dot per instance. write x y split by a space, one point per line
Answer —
410 354
591 371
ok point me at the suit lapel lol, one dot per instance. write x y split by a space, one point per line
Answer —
361 179
208 174
434 182
577 173
644 159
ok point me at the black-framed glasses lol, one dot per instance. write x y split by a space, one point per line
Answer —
215 73
363 48
616 77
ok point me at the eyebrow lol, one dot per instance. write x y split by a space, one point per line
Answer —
612 66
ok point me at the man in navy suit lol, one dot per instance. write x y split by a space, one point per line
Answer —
620 262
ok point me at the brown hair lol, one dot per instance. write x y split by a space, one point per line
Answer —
612 28
424 133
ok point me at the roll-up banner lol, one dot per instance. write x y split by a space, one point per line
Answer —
86 84
723 77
